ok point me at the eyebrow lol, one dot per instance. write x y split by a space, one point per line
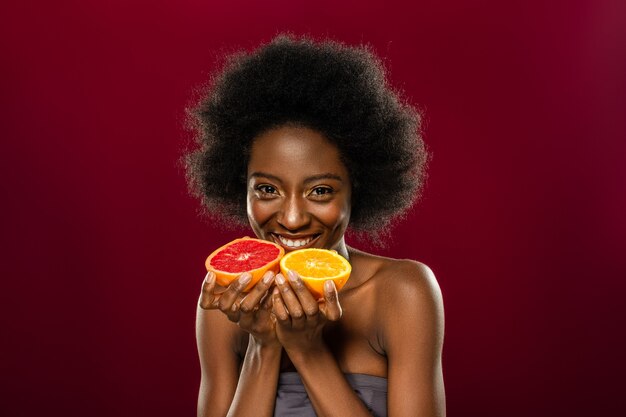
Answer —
312 178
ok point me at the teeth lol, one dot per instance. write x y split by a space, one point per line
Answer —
294 243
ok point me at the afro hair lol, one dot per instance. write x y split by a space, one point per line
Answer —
336 89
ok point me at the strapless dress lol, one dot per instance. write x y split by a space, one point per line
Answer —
293 401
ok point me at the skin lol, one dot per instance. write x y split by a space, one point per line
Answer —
387 320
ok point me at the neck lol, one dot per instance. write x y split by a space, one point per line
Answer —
342 249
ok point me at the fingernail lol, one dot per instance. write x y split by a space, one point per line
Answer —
245 278
280 279
210 277
329 286
267 278
293 277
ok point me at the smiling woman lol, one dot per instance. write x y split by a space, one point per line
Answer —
302 140
298 190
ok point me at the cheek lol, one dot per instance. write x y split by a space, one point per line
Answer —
258 212
335 215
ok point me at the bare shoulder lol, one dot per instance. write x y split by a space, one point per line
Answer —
400 286
410 305
400 281
406 280
409 321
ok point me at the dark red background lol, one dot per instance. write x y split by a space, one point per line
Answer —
522 219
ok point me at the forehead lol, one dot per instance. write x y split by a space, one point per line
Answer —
295 152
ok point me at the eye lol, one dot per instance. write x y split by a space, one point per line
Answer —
266 189
322 190
321 193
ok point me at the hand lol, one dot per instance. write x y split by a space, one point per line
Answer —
300 319
250 311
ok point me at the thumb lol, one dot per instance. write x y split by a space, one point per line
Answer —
331 307
208 301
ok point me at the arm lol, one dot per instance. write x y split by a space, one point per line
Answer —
256 391
329 391
413 327
223 389
300 321
216 338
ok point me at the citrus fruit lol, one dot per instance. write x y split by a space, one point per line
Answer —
315 266
244 255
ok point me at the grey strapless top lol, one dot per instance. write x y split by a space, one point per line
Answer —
293 401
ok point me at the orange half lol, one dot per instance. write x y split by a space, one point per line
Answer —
315 266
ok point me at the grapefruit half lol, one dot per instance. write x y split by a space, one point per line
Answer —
246 254
315 266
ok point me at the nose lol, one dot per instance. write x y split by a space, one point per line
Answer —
293 214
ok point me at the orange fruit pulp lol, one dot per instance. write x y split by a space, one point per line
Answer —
315 266
246 254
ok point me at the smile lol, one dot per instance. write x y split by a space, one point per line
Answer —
295 243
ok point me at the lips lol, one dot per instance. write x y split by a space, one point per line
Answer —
294 242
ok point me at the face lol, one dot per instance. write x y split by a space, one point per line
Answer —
298 190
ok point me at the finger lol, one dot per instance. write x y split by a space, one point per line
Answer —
234 314
257 320
291 302
267 301
332 309
278 308
232 293
252 300
207 297
307 301
264 313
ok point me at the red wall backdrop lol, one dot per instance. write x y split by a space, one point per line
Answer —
522 219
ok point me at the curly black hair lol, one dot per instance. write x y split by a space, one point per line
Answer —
338 90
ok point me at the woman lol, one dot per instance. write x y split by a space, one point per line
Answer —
302 140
